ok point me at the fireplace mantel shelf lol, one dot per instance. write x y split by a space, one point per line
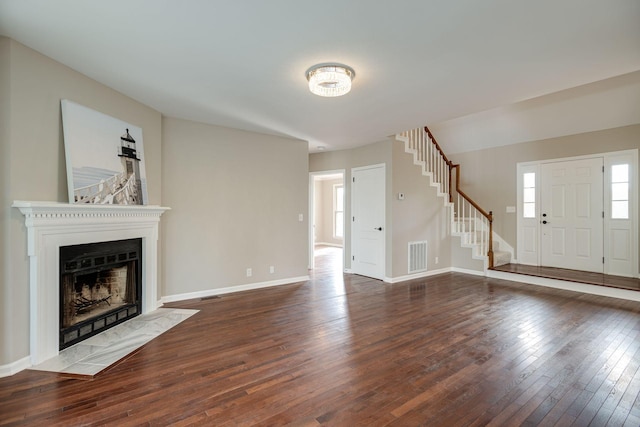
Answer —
61 210
51 225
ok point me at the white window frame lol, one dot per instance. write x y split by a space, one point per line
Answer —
628 182
335 210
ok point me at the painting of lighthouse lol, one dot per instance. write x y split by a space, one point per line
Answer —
105 158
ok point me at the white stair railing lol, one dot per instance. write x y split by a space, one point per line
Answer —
471 225
430 156
471 222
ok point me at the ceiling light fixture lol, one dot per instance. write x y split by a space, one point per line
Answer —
330 79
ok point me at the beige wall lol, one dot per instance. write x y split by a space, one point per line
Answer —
33 165
5 245
235 197
324 211
317 211
489 176
420 216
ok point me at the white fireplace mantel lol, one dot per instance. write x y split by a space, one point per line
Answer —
51 225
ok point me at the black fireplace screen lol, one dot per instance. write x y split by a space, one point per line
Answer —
100 287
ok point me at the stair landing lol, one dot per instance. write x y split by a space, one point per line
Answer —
576 276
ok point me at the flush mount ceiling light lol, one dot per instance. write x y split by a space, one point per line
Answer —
330 79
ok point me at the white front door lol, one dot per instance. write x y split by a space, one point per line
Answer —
571 214
368 221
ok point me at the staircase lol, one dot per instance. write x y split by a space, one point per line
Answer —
469 222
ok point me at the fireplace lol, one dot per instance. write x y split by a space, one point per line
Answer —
100 287
51 226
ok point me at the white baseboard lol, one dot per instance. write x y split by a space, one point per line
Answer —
417 275
467 271
15 367
230 289
567 286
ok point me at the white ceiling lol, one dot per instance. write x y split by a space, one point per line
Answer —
241 63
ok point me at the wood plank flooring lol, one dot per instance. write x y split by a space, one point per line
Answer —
344 350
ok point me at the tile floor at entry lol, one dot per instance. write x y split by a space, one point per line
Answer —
587 277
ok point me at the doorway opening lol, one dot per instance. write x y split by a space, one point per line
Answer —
327 211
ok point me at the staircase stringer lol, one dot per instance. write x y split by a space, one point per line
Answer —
433 182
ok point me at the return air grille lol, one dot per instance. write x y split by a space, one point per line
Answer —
417 257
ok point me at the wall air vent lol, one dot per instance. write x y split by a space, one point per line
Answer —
417 256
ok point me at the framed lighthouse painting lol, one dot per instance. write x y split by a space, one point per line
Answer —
104 156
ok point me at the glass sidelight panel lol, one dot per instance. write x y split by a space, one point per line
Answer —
529 195
620 191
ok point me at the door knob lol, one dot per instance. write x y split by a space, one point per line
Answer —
379 228
544 222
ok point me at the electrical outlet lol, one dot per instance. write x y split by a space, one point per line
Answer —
272 269
436 260
249 272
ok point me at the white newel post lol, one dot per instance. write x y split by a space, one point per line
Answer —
53 225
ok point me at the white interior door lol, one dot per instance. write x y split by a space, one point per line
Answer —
367 221
571 214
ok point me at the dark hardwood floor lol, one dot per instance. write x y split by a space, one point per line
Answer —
344 350
587 277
